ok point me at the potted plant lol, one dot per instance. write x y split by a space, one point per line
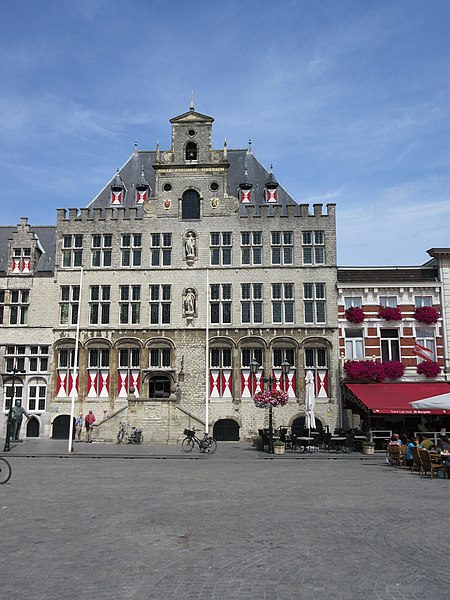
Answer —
368 444
279 447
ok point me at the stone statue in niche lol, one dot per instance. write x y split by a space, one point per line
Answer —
190 245
189 302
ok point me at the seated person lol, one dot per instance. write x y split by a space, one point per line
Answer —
427 443
444 443
415 443
395 439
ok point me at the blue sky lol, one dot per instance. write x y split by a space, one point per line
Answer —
349 99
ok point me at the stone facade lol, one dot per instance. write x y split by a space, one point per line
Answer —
195 262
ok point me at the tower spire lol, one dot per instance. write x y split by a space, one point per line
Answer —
191 107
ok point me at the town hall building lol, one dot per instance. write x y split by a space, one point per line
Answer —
192 281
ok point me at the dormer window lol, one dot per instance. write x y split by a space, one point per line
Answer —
21 260
191 151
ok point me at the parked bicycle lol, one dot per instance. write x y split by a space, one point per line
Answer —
205 444
129 435
5 470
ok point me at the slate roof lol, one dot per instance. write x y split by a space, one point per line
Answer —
240 162
46 236
388 275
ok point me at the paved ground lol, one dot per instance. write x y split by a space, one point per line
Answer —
100 524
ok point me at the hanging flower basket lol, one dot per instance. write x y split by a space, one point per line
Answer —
426 314
389 314
354 314
365 369
393 369
429 369
270 398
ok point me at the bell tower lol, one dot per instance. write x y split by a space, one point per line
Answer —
191 177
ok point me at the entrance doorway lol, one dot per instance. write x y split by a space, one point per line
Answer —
33 428
60 427
226 430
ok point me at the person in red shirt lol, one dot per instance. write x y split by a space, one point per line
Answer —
89 424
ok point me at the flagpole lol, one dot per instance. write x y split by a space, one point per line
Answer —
207 356
75 366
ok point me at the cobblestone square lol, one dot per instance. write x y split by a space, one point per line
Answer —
103 524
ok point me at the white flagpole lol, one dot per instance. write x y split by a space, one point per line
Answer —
207 356
75 366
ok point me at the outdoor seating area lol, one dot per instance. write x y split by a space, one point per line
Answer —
309 441
434 462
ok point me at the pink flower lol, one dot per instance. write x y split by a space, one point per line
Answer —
426 314
354 314
429 369
393 369
365 369
270 398
389 314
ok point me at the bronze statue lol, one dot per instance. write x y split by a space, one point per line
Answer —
17 413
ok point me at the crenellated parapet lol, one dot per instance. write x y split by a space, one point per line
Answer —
287 211
97 214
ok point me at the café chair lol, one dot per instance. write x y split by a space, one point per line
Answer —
428 466
396 456
416 460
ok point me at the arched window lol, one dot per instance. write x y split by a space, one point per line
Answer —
129 372
191 151
190 208
99 372
316 361
220 372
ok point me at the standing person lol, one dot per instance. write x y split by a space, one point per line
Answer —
78 427
89 424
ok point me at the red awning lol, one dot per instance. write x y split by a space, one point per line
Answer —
395 398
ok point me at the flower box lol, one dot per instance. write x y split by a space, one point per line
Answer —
354 314
393 369
389 313
365 369
426 314
429 369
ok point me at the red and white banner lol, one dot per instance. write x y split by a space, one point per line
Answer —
246 195
271 195
116 197
424 352
141 196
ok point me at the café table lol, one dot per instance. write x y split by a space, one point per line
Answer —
336 442
305 441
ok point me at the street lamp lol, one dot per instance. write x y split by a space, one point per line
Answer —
285 368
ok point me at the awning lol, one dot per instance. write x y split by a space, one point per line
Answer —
394 398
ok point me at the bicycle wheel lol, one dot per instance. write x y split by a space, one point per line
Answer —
210 445
140 438
5 470
187 444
